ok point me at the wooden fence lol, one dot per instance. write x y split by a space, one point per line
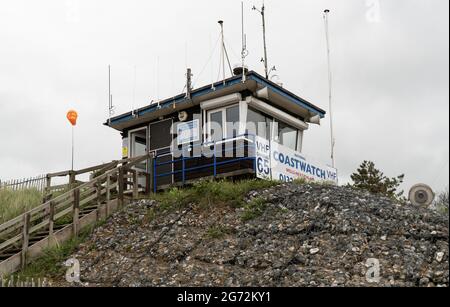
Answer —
37 183
62 217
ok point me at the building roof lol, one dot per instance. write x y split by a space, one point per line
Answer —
118 122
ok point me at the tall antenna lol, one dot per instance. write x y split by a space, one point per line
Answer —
134 93
244 51
263 15
224 53
188 83
330 88
157 81
110 104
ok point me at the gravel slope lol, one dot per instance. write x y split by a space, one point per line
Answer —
309 235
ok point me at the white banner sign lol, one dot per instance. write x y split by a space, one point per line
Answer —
278 162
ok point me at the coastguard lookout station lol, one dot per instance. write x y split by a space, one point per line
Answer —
243 126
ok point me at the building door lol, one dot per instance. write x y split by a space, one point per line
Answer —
161 143
138 146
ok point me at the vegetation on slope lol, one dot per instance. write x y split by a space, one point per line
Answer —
207 193
14 203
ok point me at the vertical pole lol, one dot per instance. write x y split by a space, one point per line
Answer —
244 43
99 192
51 219
72 145
120 186
108 188
76 212
71 179
215 160
183 167
135 185
222 54
325 16
108 194
109 94
154 175
150 176
264 39
25 239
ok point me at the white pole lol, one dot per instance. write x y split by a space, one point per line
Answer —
244 47
72 144
330 79
222 54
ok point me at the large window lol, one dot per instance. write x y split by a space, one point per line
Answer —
223 123
269 128
232 119
258 124
286 135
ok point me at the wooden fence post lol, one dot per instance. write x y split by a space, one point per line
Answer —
51 218
99 191
76 212
108 194
48 186
120 188
25 239
135 185
71 179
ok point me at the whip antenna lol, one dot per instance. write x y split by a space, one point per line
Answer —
263 15
330 88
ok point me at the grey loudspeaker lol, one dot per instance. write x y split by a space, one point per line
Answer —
421 195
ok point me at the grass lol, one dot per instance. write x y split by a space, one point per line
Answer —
217 232
14 203
205 194
253 209
51 263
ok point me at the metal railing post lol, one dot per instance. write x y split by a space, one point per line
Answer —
154 174
215 160
183 167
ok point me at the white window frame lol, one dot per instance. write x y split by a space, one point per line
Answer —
224 121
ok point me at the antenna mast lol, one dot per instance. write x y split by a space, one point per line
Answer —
244 51
330 88
263 15
110 104
224 53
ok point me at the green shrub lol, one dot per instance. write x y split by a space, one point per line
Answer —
253 209
217 232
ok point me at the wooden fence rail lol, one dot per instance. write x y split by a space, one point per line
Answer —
37 183
59 218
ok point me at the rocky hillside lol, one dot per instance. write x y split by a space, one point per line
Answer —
287 235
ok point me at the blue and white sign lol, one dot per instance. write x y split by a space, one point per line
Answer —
278 162
188 132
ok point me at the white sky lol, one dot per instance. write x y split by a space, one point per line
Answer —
389 59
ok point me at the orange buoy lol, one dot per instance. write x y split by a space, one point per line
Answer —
72 117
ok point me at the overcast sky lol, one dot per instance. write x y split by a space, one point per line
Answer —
390 64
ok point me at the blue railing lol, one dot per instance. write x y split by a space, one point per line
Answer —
184 171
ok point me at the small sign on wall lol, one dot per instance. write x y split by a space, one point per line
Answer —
125 148
188 132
